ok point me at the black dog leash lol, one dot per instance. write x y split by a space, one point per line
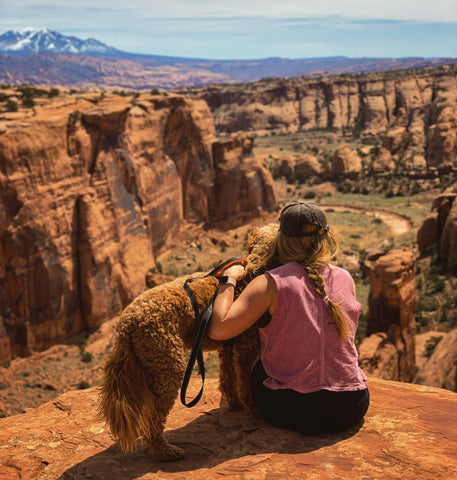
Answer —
196 354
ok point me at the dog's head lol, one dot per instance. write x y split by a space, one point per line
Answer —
259 245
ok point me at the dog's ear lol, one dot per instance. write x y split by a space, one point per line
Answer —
251 239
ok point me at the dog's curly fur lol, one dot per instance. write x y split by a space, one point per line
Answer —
144 371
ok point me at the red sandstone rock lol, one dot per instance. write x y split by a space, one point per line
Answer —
391 308
345 163
243 187
383 161
395 139
378 356
90 189
440 226
284 167
410 432
303 167
307 166
404 108
441 368
442 135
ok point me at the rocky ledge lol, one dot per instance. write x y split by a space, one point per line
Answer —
410 432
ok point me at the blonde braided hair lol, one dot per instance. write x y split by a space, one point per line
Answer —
312 252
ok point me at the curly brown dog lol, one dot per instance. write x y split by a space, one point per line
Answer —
144 371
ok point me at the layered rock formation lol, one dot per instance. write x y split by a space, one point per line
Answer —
441 369
64 440
417 112
440 227
90 189
389 350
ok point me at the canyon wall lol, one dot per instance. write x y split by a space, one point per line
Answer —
416 113
440 228
91 188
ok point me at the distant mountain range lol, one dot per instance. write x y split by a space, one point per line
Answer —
46 57
31 40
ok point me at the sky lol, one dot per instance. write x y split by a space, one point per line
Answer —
249 29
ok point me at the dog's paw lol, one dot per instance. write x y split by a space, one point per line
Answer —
167 453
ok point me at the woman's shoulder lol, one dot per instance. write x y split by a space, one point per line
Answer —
287 268
339 272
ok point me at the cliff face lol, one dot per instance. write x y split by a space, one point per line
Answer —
90 189
389 349
440 227
394 442
416 113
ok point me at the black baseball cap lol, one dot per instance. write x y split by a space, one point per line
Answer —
297 215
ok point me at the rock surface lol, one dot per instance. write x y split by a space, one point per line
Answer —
440 227
345 163
413 437
91 188
417 113
441 369
299 166
389 349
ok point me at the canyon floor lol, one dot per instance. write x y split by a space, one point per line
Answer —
364 223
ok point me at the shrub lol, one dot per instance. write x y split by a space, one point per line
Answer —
389 193
54 92
73 118
431 344
415 189
11 106
309 194
28 102
86 357
291 179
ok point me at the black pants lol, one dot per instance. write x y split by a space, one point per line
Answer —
316 412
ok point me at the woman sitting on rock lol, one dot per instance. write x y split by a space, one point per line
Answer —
307 377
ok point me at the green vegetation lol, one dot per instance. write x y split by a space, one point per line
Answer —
431 344
53 92
85 356
11 106
73 118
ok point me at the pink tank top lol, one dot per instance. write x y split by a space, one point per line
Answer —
300 347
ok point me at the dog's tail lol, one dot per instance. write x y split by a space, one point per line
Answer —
125 400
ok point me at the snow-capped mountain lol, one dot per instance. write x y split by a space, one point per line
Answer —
31 40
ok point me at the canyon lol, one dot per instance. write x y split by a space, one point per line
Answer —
91 188
98 190
412 112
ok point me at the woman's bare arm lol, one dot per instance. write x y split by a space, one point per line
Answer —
230 318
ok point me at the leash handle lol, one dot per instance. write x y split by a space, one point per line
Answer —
196 355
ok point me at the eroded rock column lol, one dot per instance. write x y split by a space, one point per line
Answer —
389 349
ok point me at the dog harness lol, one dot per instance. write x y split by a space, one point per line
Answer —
196 354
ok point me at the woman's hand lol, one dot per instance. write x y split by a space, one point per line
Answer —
236 271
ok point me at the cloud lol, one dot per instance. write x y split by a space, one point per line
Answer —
418 10
224 30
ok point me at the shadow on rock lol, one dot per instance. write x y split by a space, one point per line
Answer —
215 437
